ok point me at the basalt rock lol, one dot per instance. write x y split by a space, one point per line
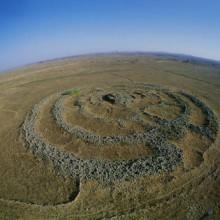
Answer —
165 157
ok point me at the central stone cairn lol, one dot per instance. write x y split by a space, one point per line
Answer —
162 114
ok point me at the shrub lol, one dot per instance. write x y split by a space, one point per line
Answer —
74 91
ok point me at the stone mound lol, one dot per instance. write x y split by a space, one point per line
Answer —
126 115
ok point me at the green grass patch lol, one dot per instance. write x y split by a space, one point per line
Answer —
75 92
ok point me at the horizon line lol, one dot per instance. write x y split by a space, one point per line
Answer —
177 56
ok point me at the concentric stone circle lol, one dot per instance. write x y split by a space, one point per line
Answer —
148 106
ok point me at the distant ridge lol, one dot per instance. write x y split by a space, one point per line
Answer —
182 57
158 55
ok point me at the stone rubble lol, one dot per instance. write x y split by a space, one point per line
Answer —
165 157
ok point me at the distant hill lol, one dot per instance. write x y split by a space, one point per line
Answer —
177 57
158 55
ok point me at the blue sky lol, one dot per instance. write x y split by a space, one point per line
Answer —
34 30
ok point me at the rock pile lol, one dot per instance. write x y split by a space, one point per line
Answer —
165 157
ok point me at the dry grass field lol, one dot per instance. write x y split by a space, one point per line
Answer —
75 140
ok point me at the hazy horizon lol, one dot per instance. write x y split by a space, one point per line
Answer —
33 31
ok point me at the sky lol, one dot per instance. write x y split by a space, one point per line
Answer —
36 30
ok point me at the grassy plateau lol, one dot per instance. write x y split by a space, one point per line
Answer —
115 137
